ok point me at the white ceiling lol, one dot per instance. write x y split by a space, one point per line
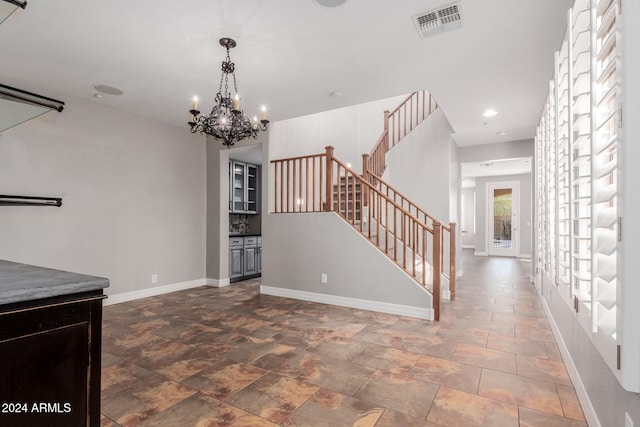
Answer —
291 55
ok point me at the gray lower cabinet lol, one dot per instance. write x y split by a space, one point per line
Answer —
236 257
244 257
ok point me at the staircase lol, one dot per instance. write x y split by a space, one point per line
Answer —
419 244
347 198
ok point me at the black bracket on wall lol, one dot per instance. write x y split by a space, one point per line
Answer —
29 201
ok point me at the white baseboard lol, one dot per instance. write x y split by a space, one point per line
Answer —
150 292
382 307
468 246
581 391
218 283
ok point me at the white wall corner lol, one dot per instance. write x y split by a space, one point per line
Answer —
150 292
218 283
424 313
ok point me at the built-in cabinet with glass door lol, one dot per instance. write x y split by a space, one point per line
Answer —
243 187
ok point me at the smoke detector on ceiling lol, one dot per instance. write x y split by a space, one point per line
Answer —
441 19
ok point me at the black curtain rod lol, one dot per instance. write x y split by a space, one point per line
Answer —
29 201
12 92
17 3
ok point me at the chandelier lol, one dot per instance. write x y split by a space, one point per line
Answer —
226 122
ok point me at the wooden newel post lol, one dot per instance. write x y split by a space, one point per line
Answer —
329 165
452 260
437 268
365 177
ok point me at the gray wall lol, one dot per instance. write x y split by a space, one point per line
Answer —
300 247
526 211
133 194
217 213
421 167
499 150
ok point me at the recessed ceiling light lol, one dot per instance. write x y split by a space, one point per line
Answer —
97 95
329 3
501 133
490 113
336 94
109 90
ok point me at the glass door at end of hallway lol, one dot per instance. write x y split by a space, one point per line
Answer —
502 203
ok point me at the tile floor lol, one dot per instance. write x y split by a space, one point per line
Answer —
231 357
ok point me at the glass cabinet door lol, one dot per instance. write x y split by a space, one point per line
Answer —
237 187
252 189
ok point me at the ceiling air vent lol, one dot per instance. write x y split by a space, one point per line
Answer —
445 18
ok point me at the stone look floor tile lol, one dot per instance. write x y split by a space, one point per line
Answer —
448 373
148 397
457 408
400 393
387 359
120 376
329 408
273 397
570 404
234 358
392 418
224 378
543 369
517 346
539 395
486 358
533 418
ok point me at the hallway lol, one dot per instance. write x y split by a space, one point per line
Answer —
233 357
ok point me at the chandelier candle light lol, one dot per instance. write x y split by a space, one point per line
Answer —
226 122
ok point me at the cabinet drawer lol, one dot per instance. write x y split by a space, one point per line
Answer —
236 241
251 241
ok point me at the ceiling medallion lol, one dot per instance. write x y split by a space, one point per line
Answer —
226 122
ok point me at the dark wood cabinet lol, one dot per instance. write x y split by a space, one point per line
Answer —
50 353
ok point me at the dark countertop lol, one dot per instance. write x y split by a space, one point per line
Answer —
245 235
23 282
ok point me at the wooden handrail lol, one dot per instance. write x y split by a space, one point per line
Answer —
382 195
407 99
396 193
397 124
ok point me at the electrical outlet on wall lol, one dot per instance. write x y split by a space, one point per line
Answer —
154 278
323 278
